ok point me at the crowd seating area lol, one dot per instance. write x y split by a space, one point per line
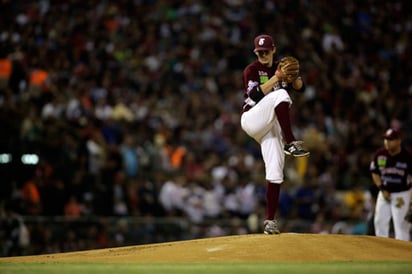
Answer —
133 109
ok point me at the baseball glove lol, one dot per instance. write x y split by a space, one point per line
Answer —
289 69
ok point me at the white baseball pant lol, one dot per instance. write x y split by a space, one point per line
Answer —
261 123
396 210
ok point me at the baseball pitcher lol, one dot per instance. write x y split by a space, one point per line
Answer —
266 117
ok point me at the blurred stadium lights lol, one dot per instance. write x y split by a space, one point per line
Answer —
5 158
29 159
26 158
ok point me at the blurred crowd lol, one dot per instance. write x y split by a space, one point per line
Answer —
133 107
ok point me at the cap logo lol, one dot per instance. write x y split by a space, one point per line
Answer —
261 41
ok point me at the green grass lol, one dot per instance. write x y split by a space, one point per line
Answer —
209 268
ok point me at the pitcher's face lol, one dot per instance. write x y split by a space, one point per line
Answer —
265 57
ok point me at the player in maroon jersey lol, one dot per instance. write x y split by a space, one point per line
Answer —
391 170
266 118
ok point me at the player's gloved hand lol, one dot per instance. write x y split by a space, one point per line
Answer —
288 69
408 216
386 195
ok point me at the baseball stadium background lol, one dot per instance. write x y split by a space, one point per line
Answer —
120 119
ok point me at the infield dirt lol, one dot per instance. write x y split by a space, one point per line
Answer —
287 247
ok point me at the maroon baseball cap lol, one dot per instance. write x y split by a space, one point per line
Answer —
391 134
264 42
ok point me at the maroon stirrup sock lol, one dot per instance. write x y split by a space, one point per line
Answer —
272 199
282 112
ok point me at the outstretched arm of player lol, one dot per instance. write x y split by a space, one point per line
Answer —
298 84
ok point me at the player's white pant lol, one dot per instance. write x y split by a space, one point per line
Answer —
261 123
395 209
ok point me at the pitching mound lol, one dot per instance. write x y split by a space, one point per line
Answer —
285 247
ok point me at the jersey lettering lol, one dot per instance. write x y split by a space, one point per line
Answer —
401 165
280 84
263 77
394 170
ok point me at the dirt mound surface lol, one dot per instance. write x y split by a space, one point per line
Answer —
287 247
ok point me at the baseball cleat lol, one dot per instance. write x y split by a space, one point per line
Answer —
295 149
271 227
